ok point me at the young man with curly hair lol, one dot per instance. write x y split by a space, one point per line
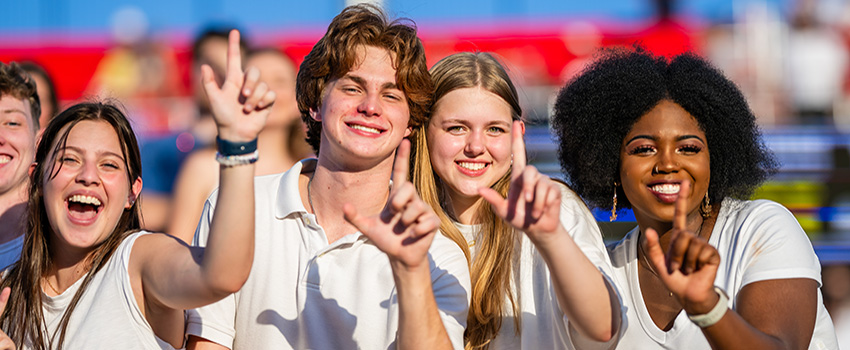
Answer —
347 255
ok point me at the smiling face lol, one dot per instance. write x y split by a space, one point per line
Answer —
17 143
86 186
665 147
469 139
364 114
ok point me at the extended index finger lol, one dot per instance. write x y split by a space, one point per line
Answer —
402 164
517 148
234 57
680 214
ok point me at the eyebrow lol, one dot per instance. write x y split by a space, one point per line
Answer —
653 138
80 150
362 82
13 110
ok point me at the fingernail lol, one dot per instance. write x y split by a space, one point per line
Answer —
246 92
248 107
674 266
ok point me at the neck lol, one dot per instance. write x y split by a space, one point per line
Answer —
273 144
465 209
333 185
67 267
13 209
694 223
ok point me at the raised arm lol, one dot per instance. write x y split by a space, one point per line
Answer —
178 277
771 314
533 206
404 231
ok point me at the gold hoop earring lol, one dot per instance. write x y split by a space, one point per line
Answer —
705 208
614 207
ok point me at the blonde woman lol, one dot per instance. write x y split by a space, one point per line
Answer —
537 258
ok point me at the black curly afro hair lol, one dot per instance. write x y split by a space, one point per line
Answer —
595 111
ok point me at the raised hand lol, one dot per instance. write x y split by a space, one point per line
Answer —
690 265
405 227
534 200
5 342
241 105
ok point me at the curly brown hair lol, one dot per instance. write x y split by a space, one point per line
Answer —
336 54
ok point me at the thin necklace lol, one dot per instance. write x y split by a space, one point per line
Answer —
50 285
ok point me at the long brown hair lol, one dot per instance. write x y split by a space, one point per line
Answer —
23 320
492 267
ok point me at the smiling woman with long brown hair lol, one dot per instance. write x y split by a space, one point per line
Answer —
706 268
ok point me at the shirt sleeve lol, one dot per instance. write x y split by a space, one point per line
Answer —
772 244
215 322
451 285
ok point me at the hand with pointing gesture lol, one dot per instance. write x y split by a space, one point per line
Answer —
405 227
533 204
241 105
5 342
690 265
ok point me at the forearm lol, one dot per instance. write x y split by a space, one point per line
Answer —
420 325
230 249
583 293
733 332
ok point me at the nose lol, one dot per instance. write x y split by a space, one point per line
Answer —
370 105
666 163
88 174
475 144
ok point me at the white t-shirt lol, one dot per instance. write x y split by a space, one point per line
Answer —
304 293
107 315
757 241
544 325
10 252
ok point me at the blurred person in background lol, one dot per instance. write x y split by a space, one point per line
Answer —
162 157
705 268
19 113
46 93
279 150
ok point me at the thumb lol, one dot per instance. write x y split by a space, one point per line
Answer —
351 215
208 80
654 251
4 298
500 204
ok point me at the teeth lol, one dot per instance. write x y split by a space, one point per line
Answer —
78 198
666 188
5 159
365 128
472 166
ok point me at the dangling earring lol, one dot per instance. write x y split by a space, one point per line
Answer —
705 208
614 207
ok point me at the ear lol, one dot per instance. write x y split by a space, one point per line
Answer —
315 115
522 127
135 189
408 131
31 169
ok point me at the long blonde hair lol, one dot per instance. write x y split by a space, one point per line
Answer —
492 267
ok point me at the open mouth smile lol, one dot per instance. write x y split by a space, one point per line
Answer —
83 209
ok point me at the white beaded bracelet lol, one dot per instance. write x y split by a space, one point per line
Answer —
716 313
240 159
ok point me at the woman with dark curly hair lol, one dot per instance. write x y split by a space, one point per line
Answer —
636 131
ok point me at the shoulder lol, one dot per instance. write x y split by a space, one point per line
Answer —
750 217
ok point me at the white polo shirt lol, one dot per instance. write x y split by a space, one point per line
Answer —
304 293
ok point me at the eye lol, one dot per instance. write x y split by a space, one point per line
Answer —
642 149
455 129
350 89
496 130
68 159
690 149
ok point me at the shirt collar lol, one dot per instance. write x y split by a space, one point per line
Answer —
288 200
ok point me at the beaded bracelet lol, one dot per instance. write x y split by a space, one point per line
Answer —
238 159
716 313
230 148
